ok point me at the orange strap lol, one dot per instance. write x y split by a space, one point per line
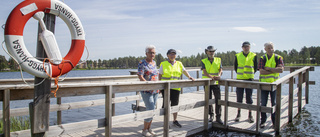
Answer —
56 79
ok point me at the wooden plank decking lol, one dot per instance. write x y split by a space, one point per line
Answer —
191 120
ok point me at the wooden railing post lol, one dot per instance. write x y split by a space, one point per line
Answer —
167 109
108 113
300 93
59 116
198 78
114 105
6 112
278 110
181 77
290 105
307 85
206 105
226 103
258 108
137 101
232 78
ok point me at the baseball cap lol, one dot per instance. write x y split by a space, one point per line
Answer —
246 43
171 51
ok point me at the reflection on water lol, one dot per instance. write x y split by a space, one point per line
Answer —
304 124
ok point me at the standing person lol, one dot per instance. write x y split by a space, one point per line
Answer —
212 68
270 65
147 71
172 70
245 65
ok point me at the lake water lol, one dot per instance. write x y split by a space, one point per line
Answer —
307 124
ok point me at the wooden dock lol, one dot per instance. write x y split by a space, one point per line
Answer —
193 108
191 120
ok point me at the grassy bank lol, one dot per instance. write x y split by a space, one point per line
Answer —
17 124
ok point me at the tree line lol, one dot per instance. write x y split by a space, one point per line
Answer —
307 55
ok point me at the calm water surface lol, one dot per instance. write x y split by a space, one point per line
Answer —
306 124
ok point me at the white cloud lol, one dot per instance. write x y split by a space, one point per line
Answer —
251 29
179 51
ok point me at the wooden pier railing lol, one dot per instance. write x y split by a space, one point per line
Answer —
121 84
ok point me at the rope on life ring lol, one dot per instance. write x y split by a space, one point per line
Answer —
15 43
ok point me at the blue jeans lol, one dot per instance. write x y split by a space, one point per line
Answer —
264 101
150 100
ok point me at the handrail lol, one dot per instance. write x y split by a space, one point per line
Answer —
102 87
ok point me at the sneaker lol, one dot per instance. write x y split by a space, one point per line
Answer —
250 119
177 124
262 125
211 118
218 120
237 118
146 133
152 133
272 127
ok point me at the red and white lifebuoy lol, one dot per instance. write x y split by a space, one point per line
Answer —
15 43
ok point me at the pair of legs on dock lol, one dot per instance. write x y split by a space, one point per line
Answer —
174 99
215 90
240 92
264 101
150 101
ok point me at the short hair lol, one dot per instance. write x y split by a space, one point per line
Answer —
268 44
150 47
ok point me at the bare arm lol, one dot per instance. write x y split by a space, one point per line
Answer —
141 78
219 75
206 74
160 76
187 74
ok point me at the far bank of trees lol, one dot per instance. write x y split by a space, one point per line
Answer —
307 55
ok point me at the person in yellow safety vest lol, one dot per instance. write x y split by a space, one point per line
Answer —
172 70
212 68
270 65
245 65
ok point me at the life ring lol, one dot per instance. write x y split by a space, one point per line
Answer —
15 44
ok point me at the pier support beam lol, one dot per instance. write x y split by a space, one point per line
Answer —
41 102
167 110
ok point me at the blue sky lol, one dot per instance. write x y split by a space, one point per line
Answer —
119 28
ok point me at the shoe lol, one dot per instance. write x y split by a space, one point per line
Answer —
237 118
177 124
250 119
272 127
146 133
218 120
211 118
262 125
152 133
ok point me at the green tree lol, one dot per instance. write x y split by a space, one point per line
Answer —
3 63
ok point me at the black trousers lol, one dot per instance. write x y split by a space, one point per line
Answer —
174 97
215 90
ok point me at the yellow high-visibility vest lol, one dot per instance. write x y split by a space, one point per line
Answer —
212 69
245 66
171 72
272 64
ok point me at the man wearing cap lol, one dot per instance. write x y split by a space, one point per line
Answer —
212 68
270 65
245 65
172 70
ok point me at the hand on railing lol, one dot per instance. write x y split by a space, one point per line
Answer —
191 78
216 78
